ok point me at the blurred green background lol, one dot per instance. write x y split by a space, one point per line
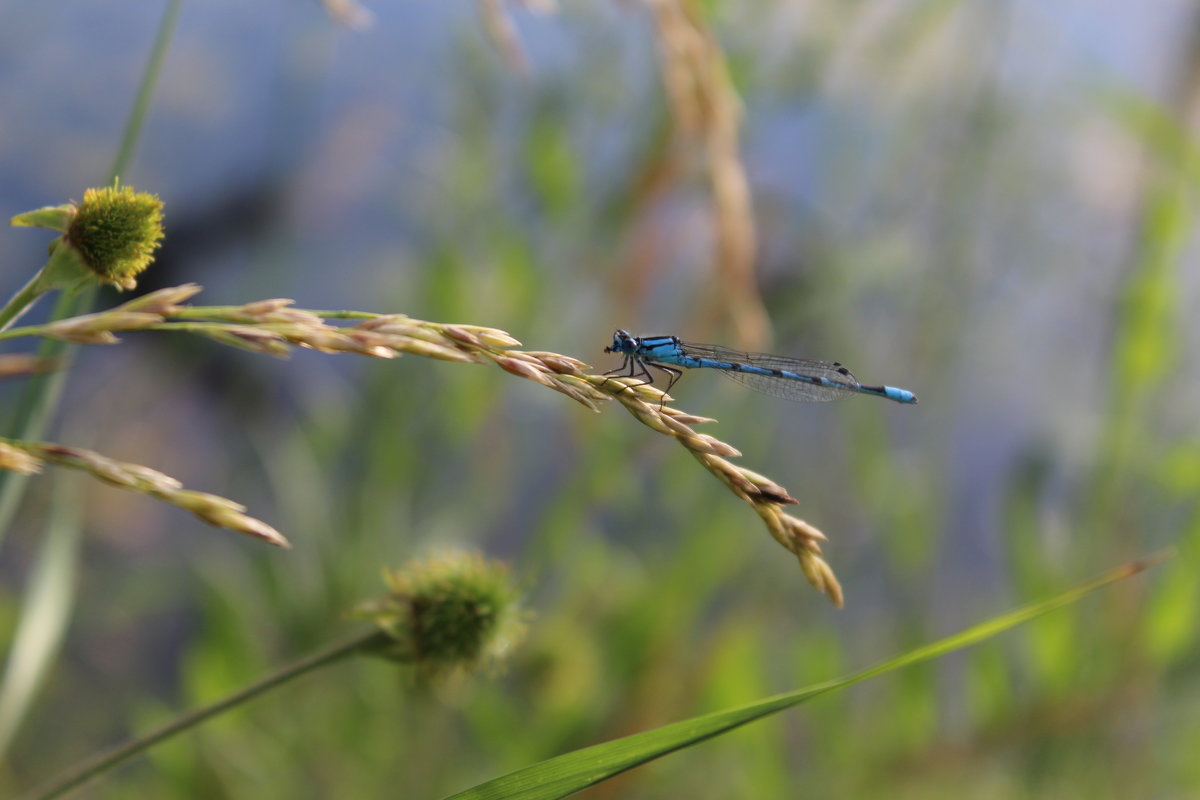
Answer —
987 202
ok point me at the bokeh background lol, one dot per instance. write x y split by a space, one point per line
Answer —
989 203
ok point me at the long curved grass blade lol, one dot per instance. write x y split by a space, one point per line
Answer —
571 772
45 613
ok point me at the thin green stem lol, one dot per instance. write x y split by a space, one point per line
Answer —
209 326
196 326
204 312
109 759
27 330
22 301
197 320
344 314
209 312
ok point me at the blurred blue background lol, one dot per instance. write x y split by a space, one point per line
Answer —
988 203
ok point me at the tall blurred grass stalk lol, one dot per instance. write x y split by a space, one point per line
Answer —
49 596
706 108
45 610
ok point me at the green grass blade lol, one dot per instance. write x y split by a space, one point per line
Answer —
571 772
141 102
45 612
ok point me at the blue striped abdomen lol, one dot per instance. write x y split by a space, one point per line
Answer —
790 378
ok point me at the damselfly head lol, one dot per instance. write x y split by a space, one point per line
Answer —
623 342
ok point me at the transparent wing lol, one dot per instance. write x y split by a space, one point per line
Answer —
845 384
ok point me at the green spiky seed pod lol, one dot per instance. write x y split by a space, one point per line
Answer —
116 230
455 612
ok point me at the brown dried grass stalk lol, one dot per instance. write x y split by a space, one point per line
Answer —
28 457
274 327
705 107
